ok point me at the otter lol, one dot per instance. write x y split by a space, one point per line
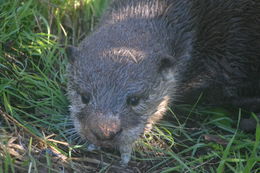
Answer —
146 54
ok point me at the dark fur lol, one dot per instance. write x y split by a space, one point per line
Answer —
162 50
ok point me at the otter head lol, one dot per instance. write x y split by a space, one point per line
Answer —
119 82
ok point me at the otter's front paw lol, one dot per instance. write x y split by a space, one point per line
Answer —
92 147
125 158
125 151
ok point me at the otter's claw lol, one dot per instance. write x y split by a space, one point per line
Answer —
92 147
125 158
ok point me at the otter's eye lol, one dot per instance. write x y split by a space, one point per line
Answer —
85 99
133 100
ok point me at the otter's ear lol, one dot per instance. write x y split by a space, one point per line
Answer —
165 68
71 52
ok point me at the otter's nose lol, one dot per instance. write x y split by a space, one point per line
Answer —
108 135
108 130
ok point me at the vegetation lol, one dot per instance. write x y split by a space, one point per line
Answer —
34 113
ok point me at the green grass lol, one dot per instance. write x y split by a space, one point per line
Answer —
33 105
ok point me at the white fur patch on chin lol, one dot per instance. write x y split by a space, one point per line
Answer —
160 111
76 108
128 137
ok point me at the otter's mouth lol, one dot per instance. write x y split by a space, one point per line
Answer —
106 143
98 141
107 135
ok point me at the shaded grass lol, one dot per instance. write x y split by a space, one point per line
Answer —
191 149
33 105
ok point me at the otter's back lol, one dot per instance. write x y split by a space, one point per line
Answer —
226 50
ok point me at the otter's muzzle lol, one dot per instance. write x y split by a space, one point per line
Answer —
107 127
